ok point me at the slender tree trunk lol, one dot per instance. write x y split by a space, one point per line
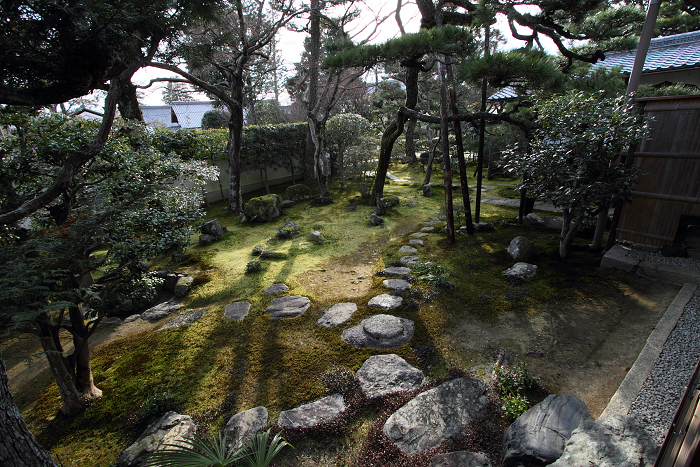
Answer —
18 447
431 156
596 245
482 130
312 149
410 141
445 144
568 232
341 166
233 145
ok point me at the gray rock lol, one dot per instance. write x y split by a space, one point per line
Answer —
298 192
236 310
337 314
553 222
171 279
380 375
391 201
293 225
171 428
313 414
115 320
436 415
375 220
286 203
132 318
206 239
483 227
379 332
257 250
276 289
263 208
183 286
427 190
427 229
410 260
431 223
418 234
161 310
394 271
540 434
407 249
615 441
534 219
522 249
241 427
397 285
521 271
213 228
460 459
416 241
316 237
288 307
184 319
385 302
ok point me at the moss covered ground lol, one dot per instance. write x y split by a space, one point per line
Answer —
215 367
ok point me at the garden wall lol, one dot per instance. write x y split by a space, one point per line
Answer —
250 181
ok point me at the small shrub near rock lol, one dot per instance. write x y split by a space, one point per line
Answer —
270 254
432 273
253 266
512 382
156 405
285 232
257 250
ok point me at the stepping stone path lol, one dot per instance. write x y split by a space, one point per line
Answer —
288 307
385 302
276 289
436 415
416 241
312 414
161 310
431 223
427 229
410 260
407 249
184 319
386 374
394 271
418 234
337 314
379 332
236 310
241 427
397 285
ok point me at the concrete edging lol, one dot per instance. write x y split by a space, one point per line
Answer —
622 400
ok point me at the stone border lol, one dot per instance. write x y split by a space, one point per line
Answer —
622 400
617 258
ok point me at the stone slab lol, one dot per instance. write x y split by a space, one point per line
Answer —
276 289
381 375
408 249
312 414
418 235
385 302
617 258
394 271
416 241
288 307
397 285
410 260
380 332
236 310
337 314
184 319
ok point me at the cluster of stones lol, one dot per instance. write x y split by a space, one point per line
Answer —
211 231
523 252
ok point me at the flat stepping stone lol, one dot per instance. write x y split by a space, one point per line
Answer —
394 271
337 314
312 414
385 301
416 241
241 427
379 332
410 260
431 223
437 415
407 249
161 310
386 374
288 307
184 319
397 285
418 234
427 229
236 310
276 289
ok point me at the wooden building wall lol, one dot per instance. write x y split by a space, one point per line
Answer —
670 162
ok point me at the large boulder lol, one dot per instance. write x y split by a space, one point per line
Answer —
538 437
213 228
522 249
171 428
436 415
241 427
386 374
379 332
312 414
615 441
263 208
298 192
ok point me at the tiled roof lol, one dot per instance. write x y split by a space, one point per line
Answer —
157 114
665 53
509 92
189 113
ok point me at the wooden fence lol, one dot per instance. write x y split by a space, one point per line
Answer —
670 163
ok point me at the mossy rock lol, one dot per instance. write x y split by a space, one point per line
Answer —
263 208
299 191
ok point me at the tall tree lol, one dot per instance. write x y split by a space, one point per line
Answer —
176 92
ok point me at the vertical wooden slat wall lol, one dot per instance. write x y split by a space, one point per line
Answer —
670 162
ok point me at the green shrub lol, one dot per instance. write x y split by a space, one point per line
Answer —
253 266
511 382
157 405
432 273
285 232
515 406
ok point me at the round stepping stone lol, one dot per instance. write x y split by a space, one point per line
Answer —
379 332
288 307
431 223
312 414
418 234
385 302
416 241
397 285
394 271
184 319
337 314
236 310
276 289
410 259
386 374
407 249
427 229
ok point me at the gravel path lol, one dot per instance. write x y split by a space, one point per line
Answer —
661 393
642 255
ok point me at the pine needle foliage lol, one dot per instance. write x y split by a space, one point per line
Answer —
525 67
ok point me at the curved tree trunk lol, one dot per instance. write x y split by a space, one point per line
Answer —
568 232
411 140
431 156
128 103
18 447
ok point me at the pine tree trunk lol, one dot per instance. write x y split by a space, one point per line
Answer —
233 145
411 141
18 447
